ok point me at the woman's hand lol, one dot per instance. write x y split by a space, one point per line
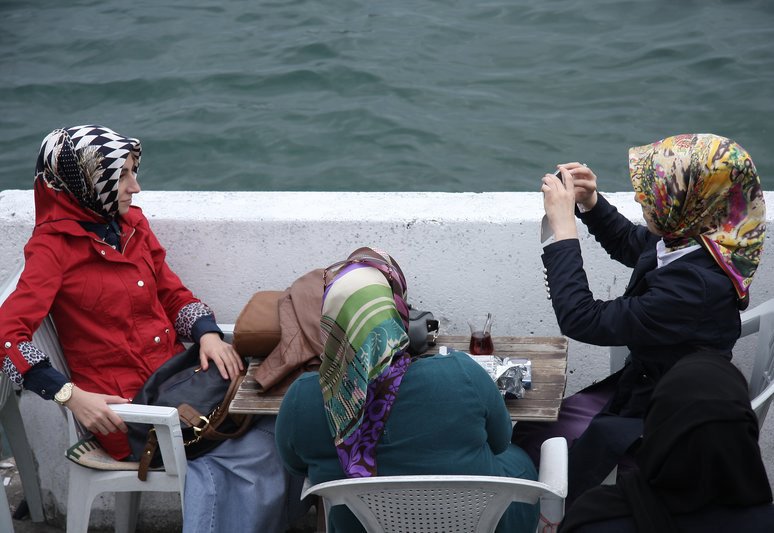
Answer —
585 184
92 411
559 203
228 361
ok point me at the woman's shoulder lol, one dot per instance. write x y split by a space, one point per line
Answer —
698 266
305 384
49 246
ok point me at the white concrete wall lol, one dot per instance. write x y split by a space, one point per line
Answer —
461 252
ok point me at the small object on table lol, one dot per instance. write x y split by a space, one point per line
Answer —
508 373
481 335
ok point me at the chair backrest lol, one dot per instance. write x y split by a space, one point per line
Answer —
761 383
47 339
449 503
429 503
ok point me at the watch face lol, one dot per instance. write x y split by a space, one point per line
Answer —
64 393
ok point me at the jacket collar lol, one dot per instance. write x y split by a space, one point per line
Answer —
57 212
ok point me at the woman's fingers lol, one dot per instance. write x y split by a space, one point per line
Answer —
221 365
92 411
231 363
235 358
551 181
224 356
228 362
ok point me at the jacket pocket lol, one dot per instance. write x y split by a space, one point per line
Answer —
91 291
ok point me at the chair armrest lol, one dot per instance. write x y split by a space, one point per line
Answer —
751 322
553 465
752 317
146 414
166 422
760 404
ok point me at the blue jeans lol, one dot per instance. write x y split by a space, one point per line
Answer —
242 486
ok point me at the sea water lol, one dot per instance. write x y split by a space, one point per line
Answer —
377 95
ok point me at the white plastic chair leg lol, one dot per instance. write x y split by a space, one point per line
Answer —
79 500
11 420
127 507
6 524
551 513
553 471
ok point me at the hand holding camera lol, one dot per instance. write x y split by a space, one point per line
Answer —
574 183
559 203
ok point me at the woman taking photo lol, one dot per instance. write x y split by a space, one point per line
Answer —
692 267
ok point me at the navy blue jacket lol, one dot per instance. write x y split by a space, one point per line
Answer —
685 306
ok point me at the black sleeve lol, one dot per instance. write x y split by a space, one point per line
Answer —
204 324
44 380
670 308
623 240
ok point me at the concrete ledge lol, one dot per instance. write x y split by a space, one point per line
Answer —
461 252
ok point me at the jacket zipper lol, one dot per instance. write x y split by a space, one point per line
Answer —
125 245
127 241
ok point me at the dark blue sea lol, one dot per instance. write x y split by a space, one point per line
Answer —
367 95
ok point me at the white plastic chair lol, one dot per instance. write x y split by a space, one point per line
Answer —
11 420
445 503
86 483
760 320
6 522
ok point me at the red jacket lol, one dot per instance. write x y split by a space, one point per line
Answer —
114 311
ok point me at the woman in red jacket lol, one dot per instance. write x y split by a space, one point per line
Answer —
94 264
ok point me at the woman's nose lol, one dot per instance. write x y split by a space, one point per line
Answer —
134 186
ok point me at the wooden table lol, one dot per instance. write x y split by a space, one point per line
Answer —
541 402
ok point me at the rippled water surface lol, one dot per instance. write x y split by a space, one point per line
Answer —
448 95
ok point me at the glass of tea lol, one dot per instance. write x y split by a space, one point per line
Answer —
481 335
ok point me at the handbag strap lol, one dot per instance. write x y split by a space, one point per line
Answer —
220 414
147 454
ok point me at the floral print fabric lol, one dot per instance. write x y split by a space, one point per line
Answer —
704 189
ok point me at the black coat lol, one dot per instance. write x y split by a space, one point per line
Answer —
699 456
685 306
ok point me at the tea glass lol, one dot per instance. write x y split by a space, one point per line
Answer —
481 335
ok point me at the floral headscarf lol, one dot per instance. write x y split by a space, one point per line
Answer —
86 161
364 356
704 189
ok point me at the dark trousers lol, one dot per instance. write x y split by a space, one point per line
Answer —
597 440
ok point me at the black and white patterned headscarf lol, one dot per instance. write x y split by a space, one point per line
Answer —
86 161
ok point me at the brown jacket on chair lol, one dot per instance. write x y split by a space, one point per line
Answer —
286 326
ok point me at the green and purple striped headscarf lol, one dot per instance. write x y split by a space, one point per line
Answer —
364 357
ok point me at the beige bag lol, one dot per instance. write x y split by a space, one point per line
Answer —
283 327
257 328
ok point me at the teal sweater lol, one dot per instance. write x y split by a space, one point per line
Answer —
449 418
